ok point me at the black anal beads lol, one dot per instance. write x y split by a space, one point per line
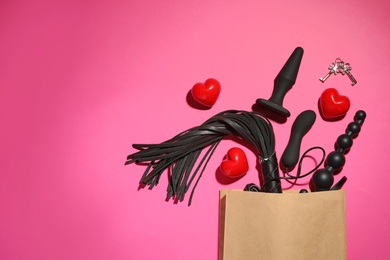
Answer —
323 179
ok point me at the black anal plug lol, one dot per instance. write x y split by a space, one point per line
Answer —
283 83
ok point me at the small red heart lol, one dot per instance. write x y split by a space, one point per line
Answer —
206 93
236 163
332 104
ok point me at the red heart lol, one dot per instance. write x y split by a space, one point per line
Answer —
206 93
332 104
236 164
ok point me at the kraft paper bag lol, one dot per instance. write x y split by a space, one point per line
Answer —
288 225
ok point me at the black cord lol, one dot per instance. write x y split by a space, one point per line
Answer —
304 155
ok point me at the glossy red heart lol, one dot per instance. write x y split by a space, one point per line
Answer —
236 163
333 104
206 93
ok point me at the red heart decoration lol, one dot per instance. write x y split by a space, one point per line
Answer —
206 93
236 163
332 104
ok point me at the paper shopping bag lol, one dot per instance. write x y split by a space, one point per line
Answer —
288 225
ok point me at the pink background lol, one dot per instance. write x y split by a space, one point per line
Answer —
81 81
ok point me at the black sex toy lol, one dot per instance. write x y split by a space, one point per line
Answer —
323 178
300 127
283 83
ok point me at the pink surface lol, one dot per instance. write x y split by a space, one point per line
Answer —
81 81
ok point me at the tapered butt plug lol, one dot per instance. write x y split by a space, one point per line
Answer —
283 83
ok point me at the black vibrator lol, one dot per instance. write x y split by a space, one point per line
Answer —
299 129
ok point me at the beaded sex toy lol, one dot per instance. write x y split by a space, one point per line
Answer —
323 179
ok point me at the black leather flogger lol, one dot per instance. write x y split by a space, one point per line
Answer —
181 152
